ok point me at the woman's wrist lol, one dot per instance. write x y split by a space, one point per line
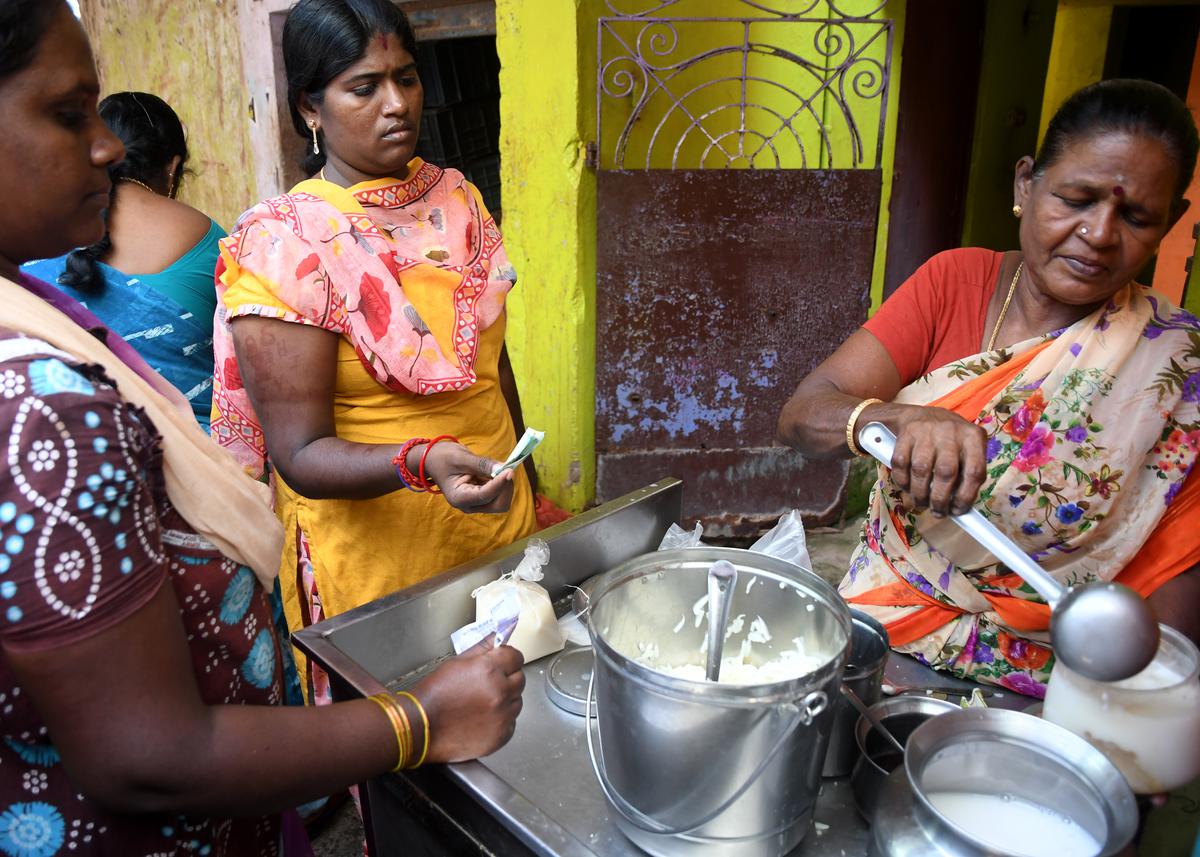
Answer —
853 421
416 462
893 415
407 462
418 718
435 753
412 457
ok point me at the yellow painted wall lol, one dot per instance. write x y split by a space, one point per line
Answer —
1076 53
550 233
700 63
188 54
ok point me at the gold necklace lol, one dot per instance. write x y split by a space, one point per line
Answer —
1012 287
139 184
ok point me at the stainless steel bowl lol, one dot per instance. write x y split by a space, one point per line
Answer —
1005 754
876 758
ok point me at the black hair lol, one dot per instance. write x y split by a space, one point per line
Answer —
323 38
153 137
1131 107
22 25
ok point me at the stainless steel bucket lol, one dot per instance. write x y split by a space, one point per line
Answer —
692 767
1005 754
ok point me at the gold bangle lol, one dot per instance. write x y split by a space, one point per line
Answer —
385 708
408 744
399 723
862 406
425 721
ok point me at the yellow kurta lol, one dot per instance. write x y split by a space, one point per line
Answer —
361 550
364 549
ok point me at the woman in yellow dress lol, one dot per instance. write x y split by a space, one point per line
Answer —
361 317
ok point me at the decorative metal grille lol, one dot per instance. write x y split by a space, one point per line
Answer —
766 87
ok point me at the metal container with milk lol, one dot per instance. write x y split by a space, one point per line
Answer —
995 783
1148 725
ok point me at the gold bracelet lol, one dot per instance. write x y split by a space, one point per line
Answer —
399 723
862 406
425 721
403 741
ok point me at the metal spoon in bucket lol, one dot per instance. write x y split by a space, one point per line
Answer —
1103 631
722 577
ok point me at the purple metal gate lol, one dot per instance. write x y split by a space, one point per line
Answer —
719 289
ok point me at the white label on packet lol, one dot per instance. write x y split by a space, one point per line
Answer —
501 624
525 446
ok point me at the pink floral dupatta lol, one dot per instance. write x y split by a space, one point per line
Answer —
359 262
1088 446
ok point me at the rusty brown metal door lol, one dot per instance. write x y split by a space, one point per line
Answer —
738 252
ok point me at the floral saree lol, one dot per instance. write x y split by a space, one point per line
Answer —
1092 432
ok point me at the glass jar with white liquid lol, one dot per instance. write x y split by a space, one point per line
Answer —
1147 725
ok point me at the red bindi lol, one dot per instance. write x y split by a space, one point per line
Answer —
383 41
1118 190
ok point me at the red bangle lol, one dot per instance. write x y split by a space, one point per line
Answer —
422 479
407 477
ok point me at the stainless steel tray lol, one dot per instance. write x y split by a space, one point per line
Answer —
537 795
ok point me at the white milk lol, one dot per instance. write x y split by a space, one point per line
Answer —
1148 725
788 665
1015 826
737 669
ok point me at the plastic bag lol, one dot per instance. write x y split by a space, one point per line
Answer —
573 630
678 537
786 541
537 633
499 624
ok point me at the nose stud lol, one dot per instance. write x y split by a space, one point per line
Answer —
1083 230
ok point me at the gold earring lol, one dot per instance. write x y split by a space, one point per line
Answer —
316 145
1016 211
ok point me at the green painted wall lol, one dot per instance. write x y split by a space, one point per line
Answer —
189 55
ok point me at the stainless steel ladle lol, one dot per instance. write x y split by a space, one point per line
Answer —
1103 631
722 577
876 724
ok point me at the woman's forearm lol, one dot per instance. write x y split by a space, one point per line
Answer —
332 468
164 750
243 760
814 419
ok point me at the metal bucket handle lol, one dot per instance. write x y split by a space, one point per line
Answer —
809 708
